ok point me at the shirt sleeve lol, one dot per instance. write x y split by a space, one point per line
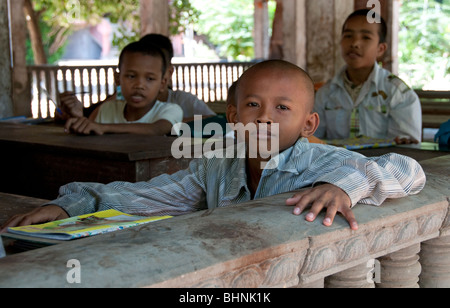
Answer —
373 180
177 194
406 115
171 112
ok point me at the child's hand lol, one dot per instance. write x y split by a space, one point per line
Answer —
83 126
39 215
399 140
70 105
326 196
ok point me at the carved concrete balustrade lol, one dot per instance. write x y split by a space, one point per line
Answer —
403 243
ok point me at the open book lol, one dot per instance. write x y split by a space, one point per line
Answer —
83 226
361 142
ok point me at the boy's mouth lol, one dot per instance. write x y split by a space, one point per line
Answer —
137 98
353 55
264 134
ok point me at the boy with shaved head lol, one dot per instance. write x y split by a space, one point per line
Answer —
277 98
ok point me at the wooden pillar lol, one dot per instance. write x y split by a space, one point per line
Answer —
312 33
261 29
6 105
154 17
21 80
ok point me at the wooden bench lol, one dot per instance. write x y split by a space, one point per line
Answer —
435 107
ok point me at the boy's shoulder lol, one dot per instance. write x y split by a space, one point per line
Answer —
391 80
398 83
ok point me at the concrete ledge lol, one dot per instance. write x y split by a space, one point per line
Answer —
257 244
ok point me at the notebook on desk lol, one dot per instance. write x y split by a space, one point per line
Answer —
362 142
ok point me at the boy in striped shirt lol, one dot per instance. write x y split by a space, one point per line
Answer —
279 97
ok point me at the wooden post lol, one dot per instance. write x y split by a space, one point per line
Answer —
6 105
154 17
311 35
261 29
21 82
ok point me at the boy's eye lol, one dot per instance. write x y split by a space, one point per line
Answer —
252 104
283 107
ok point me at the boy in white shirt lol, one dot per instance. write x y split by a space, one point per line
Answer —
142 68
363 98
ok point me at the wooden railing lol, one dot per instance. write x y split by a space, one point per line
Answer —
435 107
209 81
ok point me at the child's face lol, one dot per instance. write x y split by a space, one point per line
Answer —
360 43
276 97
141 79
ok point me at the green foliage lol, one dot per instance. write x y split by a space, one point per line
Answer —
59 19
424 41
229 25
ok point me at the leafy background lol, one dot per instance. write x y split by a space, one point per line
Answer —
424 38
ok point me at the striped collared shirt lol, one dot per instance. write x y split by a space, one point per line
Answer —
212 182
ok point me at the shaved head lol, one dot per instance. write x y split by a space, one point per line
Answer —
284 68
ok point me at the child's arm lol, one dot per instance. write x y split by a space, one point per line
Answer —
39 215
406 117
85 126
358 180
180 193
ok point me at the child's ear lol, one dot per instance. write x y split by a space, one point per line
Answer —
382 47
164 82
311 125
231 114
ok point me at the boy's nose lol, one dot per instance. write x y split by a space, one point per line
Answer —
355 43
264 118
139 84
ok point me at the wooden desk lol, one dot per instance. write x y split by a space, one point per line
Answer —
424 152
11 205
35 160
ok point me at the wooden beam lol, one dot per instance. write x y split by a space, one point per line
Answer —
261 29
154 17
21 82
312 33
6 105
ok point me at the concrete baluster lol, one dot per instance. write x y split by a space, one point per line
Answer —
400 269
435 261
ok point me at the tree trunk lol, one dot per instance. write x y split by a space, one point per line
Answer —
35 34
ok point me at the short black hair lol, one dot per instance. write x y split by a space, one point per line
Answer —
161 41
382 29
146 49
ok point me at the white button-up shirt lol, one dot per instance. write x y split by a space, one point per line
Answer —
388 108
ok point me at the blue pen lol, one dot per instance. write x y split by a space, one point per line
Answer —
56 106
51 100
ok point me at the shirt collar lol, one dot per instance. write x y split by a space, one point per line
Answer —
284 162
373 77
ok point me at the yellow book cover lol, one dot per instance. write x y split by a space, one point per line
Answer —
84 225
361 142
